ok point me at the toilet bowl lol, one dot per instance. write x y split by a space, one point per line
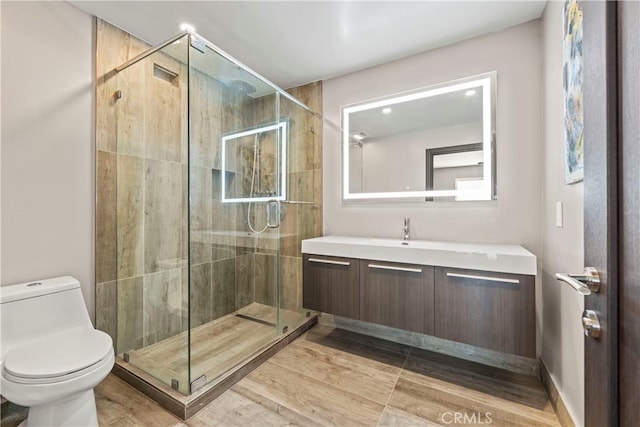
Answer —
52 357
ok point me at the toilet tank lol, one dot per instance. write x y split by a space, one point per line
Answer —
42 307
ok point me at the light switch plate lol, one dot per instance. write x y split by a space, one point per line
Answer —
559 215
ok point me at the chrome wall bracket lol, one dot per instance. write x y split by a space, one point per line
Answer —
198 383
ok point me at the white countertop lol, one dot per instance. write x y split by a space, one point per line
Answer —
474 256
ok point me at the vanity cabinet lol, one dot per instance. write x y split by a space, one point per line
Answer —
397 295
482 308
486 309
331 285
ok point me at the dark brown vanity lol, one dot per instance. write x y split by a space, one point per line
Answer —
488 309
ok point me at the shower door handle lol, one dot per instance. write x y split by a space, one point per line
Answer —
274 211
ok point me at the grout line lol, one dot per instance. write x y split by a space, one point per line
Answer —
406 358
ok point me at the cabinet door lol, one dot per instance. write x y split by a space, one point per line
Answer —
331 285
397 295
486 309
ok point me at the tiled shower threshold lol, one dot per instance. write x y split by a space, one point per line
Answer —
184 406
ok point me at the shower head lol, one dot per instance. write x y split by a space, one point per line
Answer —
242 86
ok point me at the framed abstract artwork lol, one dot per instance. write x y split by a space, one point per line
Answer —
572 74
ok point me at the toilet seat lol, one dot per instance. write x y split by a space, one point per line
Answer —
58 357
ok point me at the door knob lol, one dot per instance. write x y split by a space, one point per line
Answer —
585 283
591 324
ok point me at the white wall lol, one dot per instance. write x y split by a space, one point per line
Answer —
562 339
47 144
516 216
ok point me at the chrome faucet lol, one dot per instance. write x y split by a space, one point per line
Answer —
405 229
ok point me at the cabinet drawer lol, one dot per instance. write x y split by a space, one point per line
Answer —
486 309
397 295
331 285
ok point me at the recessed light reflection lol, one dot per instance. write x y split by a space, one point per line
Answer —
359 136
470 92
187 27
386 110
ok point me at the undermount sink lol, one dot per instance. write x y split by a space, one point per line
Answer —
475 256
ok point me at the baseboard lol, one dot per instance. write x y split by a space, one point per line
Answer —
555 398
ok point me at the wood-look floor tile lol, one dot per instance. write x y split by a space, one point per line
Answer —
351 342
236 409
215 348
360 354
119 404
489 398
507 385
268 314
295 417
324 403
160 370
476 367
436 405
328 377
332 369
11 415
354 337
392 417
226 358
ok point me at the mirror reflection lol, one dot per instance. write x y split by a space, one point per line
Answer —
431 144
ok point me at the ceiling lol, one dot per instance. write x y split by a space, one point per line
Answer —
296 42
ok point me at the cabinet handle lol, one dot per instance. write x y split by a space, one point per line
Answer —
487 278
328 261
390 267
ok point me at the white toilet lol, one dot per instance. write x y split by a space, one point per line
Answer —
51 356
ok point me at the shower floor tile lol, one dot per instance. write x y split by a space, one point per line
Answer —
216 346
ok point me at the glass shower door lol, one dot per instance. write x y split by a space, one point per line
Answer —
303 213
151 213
214 188
235 145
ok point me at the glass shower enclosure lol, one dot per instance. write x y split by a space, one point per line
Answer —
214 195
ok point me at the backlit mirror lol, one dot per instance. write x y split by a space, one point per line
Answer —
432 144
264 150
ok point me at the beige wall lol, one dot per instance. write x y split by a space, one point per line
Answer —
562 339
47 144
515 54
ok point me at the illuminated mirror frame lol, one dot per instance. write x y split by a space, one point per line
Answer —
486 192
281 127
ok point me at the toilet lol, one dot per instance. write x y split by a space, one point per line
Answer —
51 356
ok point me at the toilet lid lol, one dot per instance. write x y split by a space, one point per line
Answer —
58 354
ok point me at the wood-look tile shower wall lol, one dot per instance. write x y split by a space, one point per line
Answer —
142 211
